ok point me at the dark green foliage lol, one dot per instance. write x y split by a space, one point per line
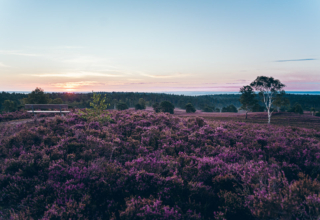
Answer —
82 100
37 96
281 102
258 108
9 106
138 107
207 109
230 108
142 103
57 101
189 108
122 106
296 108
317 114
167 106
247 99
156 107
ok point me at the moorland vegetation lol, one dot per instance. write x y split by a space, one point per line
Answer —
140 165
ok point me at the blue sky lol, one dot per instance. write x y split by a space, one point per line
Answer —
158 45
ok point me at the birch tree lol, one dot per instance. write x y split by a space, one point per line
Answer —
268 88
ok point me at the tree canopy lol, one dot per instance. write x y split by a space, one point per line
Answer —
268 88
247 99
189 108
37 96
167 106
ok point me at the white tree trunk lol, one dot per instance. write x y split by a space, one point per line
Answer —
269 116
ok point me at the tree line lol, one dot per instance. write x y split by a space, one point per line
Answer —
209 103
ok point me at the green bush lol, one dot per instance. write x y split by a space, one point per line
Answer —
296 108
156 107
138 107
189 108
230 108
167 106
122 106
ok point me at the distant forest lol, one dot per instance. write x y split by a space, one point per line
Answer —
82 100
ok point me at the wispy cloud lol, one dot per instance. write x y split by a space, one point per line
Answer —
84 60
295 60
3 65
80 74
75 85
163 76
150 83
19 53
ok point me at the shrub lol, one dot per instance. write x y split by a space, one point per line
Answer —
189 108
296 108
122 106
230 108
156 107
138 107
167 106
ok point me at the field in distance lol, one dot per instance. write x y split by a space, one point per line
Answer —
278 118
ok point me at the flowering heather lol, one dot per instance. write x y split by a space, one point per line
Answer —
144 165
21 115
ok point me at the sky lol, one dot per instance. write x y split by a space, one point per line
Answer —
157 46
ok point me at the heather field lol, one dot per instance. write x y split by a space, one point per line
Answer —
278 118
143 165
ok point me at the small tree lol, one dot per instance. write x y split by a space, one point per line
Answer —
96 113
247 99
189 108
167 106
122 106
98 103
138 107
156 107
37 96
298 109
268 88
142 103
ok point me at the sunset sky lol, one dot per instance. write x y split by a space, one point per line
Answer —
153 46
